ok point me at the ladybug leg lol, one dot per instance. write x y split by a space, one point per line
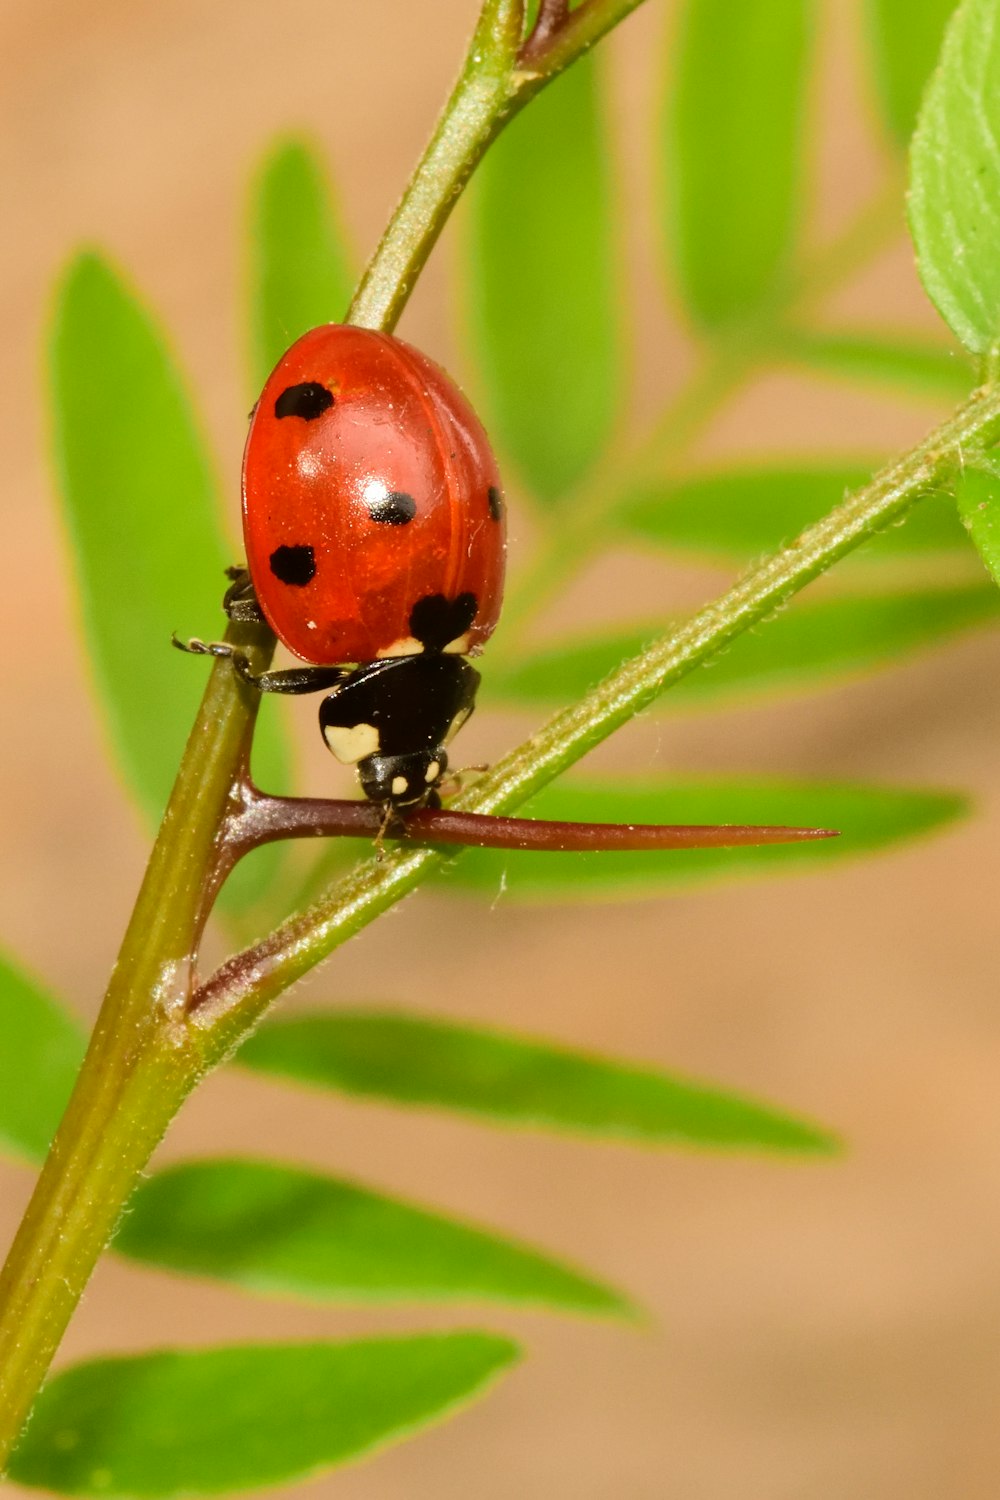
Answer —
203 648
294 680
239 600
456 780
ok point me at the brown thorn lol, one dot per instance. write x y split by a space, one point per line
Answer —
261 819
552 17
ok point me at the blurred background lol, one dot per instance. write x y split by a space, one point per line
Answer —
816 1329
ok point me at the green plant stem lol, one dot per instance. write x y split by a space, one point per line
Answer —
498 78
138 1068
146 1054
232 999
481 102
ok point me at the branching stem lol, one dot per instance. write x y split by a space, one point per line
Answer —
146 1055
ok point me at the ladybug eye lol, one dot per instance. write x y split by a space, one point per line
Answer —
294 565
308 400
494 499
390 507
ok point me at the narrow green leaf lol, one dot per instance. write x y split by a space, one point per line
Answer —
905 38
41 1048
955 178
735 125
542 284
142 510
736 514
515 1080
300 267
896 362
803 648
868 818
287 1232
978 496
214 1421
142 507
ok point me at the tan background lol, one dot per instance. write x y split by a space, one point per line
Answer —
816 1331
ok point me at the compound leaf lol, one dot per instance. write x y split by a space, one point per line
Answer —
287 1232
142 509
810 644
955 178
300 267
41 1048
542 284
736 514
215 1421
890 361
905 38
733 152
515 1080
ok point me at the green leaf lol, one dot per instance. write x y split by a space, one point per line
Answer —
978 497
543 284
905 39
868 818
955 179
803 648
736 514
287 1232
735 125
514 1080
300 267
141 505
213 1421
888 361
41 1048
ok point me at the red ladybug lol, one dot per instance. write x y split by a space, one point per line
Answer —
374 526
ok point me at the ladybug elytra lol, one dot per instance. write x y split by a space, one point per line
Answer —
374 525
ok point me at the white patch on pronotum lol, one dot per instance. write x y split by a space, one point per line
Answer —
408 646
351 745
433 771
459 646
399 785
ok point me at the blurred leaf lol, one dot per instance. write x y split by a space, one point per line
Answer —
41 1049
883 361
514 1080
735 514
733 153
955 178
213 1421
287 1232
978 497
800 649
543 284
868 818
300 267
905 39
141 506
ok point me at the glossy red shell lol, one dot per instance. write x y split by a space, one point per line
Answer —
397 427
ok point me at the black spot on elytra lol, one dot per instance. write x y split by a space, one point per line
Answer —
435 620
308 400
294 565
495 501
394 509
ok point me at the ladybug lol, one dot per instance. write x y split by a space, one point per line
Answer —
374 524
